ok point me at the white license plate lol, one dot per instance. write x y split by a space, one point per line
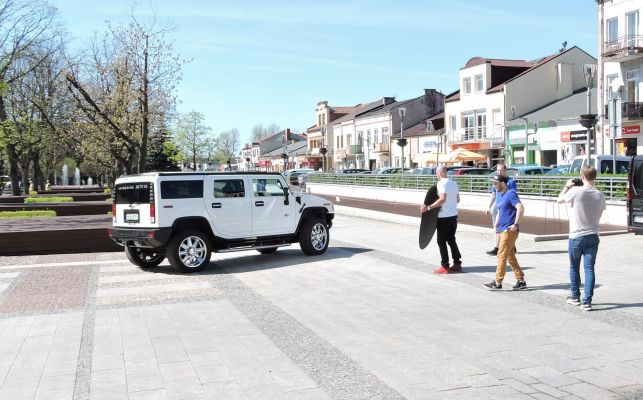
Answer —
131 216
638 219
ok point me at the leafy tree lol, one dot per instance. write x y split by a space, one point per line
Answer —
192 137
162 154
24 25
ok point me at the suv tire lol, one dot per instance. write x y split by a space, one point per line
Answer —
143 257
189 251
314 236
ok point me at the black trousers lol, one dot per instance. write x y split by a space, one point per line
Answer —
446 228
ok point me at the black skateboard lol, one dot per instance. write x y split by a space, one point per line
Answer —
428 226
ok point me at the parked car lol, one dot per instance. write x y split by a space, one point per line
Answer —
292 174
424 171
469 171
187 216
351 171
371 172
604 164
392 170
561 169
303 178
520 170
635 195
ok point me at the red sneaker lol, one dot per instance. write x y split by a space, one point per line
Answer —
441 270
456 268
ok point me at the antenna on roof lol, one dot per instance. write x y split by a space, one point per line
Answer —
564 46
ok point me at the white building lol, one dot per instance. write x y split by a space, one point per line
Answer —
494 91
620 70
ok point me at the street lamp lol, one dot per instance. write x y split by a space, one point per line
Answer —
401 141
589 70
247 163
323 149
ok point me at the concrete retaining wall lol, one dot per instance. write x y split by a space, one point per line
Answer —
543 207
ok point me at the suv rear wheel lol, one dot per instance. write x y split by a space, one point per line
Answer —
314 236
189 251
143 257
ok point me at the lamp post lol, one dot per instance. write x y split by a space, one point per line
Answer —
401 141
284 155
247 163
525 161
589 70
323 150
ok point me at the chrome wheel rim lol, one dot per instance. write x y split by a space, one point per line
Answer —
192 251
318 236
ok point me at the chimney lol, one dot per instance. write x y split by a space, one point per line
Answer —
387 100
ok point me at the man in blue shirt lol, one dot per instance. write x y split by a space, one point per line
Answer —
510 211
494 199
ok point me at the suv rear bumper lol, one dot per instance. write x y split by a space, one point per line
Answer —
153 237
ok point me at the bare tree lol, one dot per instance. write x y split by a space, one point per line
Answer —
259 130
229 145
128 88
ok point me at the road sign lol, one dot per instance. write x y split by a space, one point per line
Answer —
614 116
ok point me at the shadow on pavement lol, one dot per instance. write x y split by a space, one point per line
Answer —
612 306
487 268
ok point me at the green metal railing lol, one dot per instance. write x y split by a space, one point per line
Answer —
613 187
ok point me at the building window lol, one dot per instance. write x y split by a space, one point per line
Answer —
466 85
632 27
348 140
375 136
385 135
368 137
479 83
468 124
452 122
612 30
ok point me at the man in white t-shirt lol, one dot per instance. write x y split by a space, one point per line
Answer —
447 225
587 205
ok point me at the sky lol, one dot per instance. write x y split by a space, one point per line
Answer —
261 62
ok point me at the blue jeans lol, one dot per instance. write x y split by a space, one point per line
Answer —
585 247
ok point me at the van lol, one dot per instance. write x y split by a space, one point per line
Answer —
605 164
635 195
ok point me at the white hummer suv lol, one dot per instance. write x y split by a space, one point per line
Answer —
186 216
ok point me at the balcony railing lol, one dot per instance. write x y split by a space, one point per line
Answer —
467 134
355 149
629 46
632 110
380 147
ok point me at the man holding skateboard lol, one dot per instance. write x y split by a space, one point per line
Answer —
447 221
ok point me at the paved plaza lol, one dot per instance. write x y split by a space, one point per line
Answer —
366 320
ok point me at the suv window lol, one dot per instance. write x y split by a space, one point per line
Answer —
229 188
181 189
267 187
130 193
621 167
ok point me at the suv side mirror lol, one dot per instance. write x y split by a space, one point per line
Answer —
286 199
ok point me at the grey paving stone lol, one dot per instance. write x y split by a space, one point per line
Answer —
157 394
144 382
590 392
215 373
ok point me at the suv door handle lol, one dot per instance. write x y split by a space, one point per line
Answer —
216 205
259 203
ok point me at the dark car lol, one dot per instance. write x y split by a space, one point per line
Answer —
469 171
635 195
561 169
351 171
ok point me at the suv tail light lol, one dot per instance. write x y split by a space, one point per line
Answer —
152 205
114 206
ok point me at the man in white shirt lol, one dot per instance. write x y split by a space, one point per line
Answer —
447 225
587 205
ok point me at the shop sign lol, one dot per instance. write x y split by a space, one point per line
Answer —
631 130
573 136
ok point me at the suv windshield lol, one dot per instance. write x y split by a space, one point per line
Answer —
129 193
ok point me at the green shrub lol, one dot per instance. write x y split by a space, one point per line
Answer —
33 193
27 214
48 199
107 190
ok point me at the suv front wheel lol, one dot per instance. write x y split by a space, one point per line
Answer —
313 237
189 251
144 258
